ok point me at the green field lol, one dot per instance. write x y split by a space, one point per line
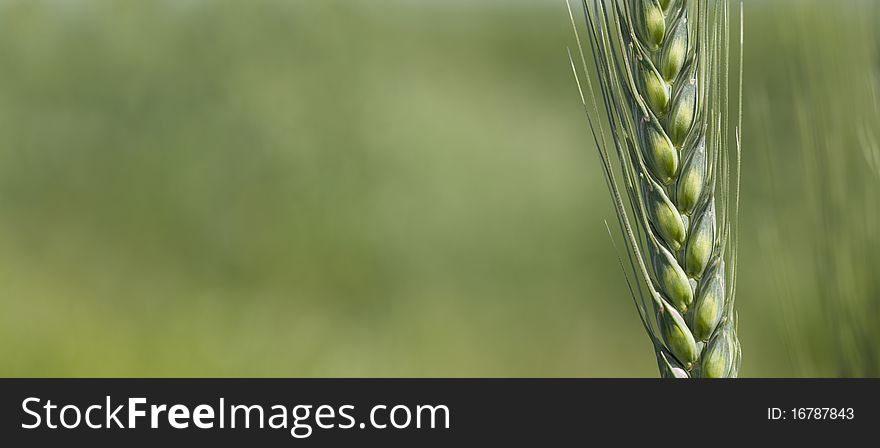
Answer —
389 188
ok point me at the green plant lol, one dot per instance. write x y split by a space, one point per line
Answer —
661 77
836 109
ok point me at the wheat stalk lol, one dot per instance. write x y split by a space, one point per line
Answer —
661 80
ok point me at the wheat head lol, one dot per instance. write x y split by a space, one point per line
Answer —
660 82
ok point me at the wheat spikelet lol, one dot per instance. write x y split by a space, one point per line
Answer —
661 80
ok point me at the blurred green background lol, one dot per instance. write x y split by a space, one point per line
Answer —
388 188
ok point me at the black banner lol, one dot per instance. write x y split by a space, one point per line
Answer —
434 412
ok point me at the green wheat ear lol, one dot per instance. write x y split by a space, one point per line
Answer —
661 77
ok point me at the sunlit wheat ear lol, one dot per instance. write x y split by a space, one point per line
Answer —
659 81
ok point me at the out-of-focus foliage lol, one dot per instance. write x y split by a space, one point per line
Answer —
821 228
355 188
